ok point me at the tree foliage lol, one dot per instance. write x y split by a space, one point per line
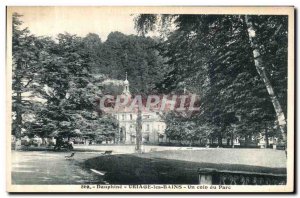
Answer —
58 73
209 55
132 54
212 56
25 64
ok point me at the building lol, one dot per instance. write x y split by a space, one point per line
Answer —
153 126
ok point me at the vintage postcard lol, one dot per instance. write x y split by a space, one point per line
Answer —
150 99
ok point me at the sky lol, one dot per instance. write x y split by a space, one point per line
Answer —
50 21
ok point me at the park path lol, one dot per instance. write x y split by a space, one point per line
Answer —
42 167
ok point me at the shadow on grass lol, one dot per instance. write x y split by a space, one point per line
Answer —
132 169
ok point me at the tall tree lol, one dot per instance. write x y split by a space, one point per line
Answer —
66 87
135 55
25 67
261 70
212 55
139 132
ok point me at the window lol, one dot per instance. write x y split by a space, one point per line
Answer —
148 127
123 116
130 116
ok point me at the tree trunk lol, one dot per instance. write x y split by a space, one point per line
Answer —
139 132
267 137
220 139
220 136
18 115
246 140
263 74
18 129
232 139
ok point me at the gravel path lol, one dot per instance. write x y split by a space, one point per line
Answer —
42 167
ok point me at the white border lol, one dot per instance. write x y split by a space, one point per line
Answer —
3 3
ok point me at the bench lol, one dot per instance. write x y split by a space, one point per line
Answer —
107 153
153 150
70 157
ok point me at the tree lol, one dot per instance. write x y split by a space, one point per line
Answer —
25 67
211 54
59 92
261 70
93 45
132 54
66 87
139 132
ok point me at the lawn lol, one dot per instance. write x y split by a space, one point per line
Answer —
181 167
162 167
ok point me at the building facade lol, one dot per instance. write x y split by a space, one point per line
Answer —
153 126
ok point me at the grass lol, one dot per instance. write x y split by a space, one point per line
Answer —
165 168
161 167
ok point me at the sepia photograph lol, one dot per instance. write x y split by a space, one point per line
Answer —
150 99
